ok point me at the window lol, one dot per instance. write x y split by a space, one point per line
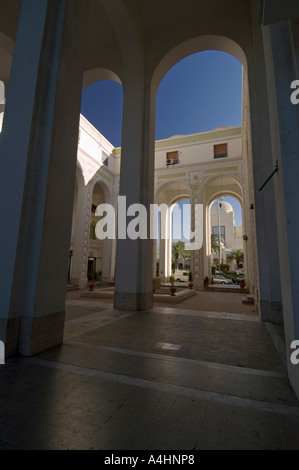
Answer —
92 232
215 231
105 157
172 158
220 151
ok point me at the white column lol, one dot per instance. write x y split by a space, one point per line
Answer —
43 105
133 284
269 293
162 257
14 152
168 245
154 258
282 49
197 257
106 259
81 236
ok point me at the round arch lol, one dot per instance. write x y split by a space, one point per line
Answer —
169 193
220 185
192 46
107 192
218 195
215 187
98 74
172 186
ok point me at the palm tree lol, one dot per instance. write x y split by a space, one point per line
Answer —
178 249
236 255
214 243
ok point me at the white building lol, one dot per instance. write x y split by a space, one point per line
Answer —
194 167
231 237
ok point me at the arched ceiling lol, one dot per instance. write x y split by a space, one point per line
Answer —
160 26
9 17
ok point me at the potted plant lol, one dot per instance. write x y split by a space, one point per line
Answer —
157 268
190 278
206 282
172 288
242 283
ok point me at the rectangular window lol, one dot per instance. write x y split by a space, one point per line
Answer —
215 231
220 151
105 158
172 158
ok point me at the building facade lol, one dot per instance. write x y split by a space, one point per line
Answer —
49 50
184 166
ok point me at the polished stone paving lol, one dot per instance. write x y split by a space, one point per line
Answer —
169 379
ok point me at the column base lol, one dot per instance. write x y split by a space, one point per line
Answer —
133 301
38 334
264 310
29 336
9 334
83 282
271 311
276 313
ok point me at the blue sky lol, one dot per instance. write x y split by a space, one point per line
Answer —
201 92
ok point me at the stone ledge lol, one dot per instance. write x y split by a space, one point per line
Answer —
163 295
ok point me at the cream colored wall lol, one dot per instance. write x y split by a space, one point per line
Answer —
93 143
198 148
192 149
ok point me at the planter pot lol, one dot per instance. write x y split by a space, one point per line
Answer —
242 285
190 285
172 291
91 286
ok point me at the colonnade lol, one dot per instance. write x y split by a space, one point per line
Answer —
38 149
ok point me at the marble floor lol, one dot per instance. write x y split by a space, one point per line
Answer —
165 379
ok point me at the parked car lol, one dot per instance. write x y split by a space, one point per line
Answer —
217 279
181 276
239 278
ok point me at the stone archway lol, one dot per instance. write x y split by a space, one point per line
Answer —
168 195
